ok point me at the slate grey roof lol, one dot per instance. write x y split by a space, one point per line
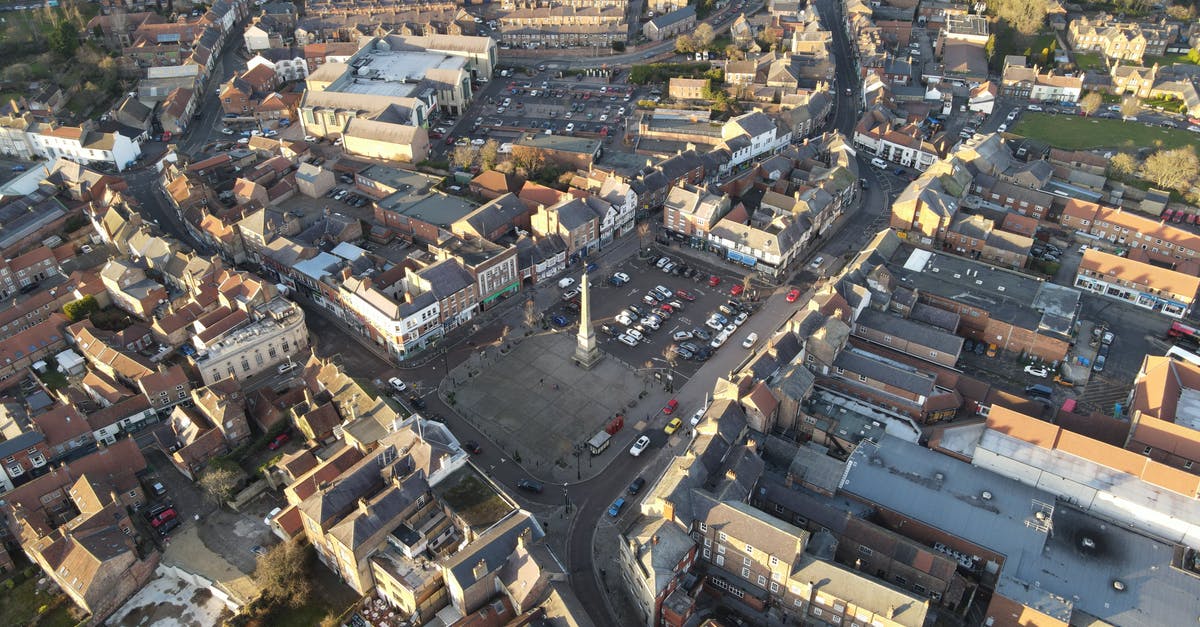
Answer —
924 335
446 278
755 123
575 213
496 214
27 439
765 532
677 167
890 373
493 547
381 512
674 17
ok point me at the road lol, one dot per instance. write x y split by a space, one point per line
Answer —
211 114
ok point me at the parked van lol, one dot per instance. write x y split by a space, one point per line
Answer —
599 442
565 282
1039 391
879 163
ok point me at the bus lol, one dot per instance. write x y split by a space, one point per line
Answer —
1183 334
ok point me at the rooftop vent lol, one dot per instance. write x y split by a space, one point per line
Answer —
985 495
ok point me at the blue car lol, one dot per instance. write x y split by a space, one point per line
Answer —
560 321
591 267
615 509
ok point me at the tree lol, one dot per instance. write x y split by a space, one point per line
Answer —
1130 106
734 53
529 158
1091 102
989 49
669 355
462 157
77 310
1027 16
1123 164
505 167
532 315
685 44
643 233
283 573
703 36
489 153
63 38
1173 169
220 481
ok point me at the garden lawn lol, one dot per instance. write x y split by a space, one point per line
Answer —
23 603
1086 61
1077 132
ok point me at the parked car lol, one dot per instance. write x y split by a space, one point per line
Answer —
279 441
472 447
637 485
669 408
736 290
685 295
397 384
530 485
626 339
714 281
792 295
750 340
614 510
1038 372
680 336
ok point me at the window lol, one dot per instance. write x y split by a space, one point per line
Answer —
1147 451
703 527
745 561
708 542
798 603
862 378
1188 464
900 580
749 550
841 371
774 587
745 573
762 581
774 561
707 554
720 549
721 536
865 551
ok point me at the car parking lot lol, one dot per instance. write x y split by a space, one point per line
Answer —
545 103
682 333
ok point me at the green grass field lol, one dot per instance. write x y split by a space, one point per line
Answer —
1074 132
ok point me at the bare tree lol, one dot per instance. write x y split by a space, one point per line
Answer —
703 36
488 154
532 315
462 157
1090 103
1123 164
283 573
643 233
669 355
1174 169
220 482
1130 106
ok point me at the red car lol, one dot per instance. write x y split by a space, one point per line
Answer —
685 295
163 517
792 295
714 281
670 408
279 441
736 289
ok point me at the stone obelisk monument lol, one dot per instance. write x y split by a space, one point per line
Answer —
586 352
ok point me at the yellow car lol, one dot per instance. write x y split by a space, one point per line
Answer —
673 426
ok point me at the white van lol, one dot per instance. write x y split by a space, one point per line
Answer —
565 282
879 163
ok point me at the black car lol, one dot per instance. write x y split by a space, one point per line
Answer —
969 346
704 353
690 347
689 273
529 485
608 330
702 334
168 526
416 401
980 348
637 485
472 447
